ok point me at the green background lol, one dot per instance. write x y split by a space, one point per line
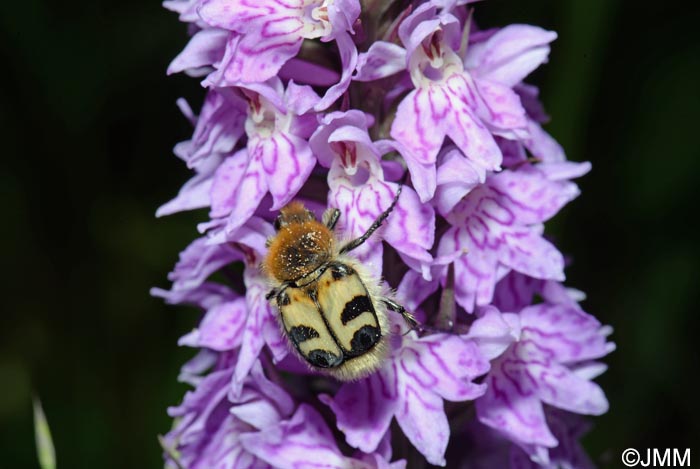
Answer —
87 123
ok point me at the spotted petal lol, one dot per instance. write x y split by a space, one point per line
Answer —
253 184
513 410
364 409
261 328
571 334
304 441
431 369
287 161
195 193
226 180
252 59
498 225
198 261
381 60
221 327
411 386
217 130
204 49
511 54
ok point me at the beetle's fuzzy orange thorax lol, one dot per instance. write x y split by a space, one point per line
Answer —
301 245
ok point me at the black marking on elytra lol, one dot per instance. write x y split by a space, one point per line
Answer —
341 270
283 299
300 334
364 339
324 359
353 308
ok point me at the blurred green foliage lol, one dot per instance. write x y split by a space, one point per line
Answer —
88 122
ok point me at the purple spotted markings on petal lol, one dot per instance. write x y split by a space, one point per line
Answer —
212 426
358 188
498 224
411 387
269 33
277 158
548 363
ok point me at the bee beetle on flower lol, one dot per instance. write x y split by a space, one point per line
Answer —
330 307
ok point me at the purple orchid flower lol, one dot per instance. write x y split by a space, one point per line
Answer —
499 225
212 425
421 373
277 158
435 107
269 33
467 97
359 189
489 449
549 361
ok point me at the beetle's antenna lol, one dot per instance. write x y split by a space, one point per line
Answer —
330 218
377 223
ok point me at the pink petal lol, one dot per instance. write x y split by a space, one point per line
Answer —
423 421
530 196
254 186
240 15
410 228
475 272
287 161
570 333
364 409
348 62
249 59
261 326
532 255
226 180
500 108
456 177
195 193
420 123
414 290
383 59
467 130
204 49
534 367
221 327
445 364
492 333
513 410
302 441
300 99
510 55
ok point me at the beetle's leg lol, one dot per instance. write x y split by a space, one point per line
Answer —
377 223
275 292
271 294
330 218
408 317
